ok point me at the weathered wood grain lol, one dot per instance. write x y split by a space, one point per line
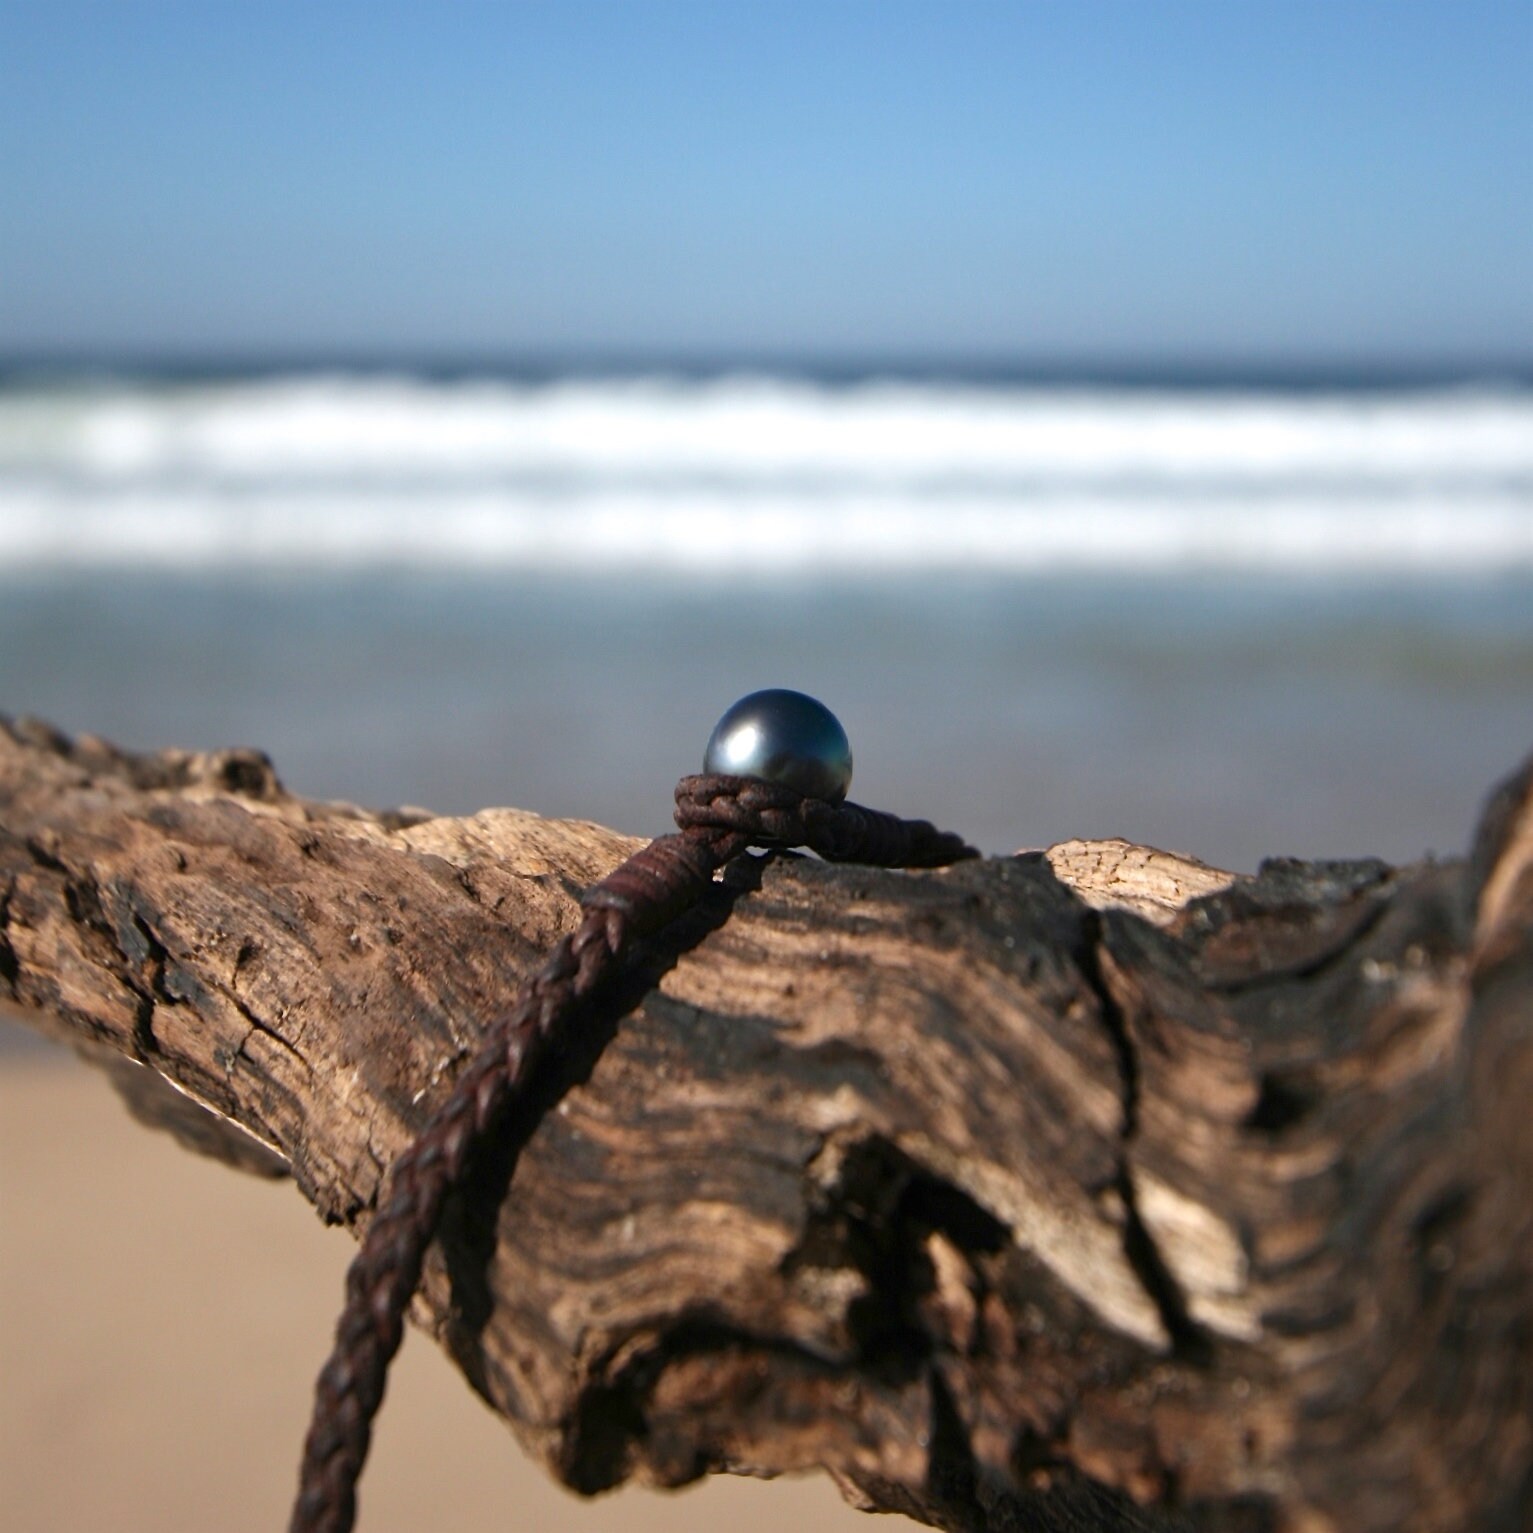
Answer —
1082 1189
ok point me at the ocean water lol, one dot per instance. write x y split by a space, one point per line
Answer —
1235 621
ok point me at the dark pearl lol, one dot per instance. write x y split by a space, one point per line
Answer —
783 737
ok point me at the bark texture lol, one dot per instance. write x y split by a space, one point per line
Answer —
1087 1189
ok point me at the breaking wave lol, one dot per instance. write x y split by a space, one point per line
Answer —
741 474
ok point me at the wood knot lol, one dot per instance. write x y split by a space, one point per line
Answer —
242 771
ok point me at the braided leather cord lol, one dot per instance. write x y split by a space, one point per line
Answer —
719 818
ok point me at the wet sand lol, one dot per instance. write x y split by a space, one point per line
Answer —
161 1320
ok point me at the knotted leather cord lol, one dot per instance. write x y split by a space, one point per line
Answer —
719 818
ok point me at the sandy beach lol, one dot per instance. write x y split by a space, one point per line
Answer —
163 1317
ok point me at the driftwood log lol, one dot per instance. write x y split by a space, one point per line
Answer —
1083 1189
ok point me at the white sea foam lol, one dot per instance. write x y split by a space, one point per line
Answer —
743 474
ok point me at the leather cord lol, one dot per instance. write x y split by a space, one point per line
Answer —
720 817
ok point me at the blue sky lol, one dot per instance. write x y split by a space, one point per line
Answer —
1334 180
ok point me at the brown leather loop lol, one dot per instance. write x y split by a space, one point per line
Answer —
776 815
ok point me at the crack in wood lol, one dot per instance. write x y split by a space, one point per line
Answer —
152 993
10 966
259 1026
1189 1341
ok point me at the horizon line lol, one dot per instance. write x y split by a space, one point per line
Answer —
538 364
